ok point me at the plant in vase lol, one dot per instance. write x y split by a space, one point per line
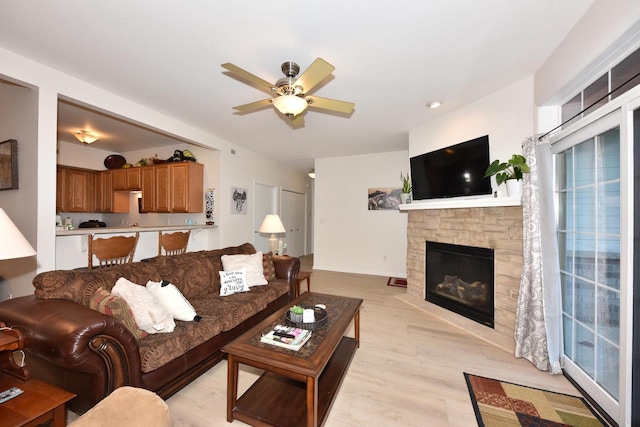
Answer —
509 172
405 196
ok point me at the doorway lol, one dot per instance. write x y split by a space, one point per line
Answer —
293 215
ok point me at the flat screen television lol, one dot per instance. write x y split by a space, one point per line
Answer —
452 171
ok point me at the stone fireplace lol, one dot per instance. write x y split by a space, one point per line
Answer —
496 227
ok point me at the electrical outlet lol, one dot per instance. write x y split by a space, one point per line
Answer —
10 296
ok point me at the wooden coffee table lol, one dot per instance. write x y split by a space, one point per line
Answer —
298 387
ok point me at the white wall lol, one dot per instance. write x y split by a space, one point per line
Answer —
593 39
227 170
506 116
347 236
18 120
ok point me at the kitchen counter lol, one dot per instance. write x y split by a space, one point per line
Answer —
125 229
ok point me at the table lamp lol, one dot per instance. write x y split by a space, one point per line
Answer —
272 224
12 242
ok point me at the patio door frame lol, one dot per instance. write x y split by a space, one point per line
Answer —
621 110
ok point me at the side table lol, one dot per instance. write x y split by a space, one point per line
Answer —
40 402
304 275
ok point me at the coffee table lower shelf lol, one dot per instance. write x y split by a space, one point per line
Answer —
280 401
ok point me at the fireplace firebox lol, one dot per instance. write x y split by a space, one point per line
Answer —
461 279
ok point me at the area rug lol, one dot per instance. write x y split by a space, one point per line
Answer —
395 281
502 404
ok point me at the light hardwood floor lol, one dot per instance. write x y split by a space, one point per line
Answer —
408 370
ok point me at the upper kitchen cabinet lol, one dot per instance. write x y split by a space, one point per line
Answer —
75 189
179 187
126 179
107 200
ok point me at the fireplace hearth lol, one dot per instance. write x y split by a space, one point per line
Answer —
461 279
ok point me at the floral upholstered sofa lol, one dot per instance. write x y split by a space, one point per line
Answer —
91 354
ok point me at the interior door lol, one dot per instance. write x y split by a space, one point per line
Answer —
293 214
266 202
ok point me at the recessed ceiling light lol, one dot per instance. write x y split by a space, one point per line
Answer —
434 104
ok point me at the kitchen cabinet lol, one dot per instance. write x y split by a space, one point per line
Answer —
75 189
148 186
179 187
106 199
166 188
126 179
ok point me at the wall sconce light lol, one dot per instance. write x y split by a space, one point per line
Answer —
312 174
85 136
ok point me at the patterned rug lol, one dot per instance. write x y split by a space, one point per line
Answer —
502 404
395 281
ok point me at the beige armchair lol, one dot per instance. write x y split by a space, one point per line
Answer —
127 406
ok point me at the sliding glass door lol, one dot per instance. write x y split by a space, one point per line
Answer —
588 183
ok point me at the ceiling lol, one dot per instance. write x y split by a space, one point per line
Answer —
391 59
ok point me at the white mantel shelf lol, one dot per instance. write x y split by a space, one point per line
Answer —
481 202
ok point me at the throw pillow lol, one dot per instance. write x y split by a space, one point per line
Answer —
253 264
116 307
268 267
150 316
170 297
233 281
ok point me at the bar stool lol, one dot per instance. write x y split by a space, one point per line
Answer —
111 251
173 243
304 275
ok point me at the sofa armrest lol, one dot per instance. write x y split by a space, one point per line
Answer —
287 268
76 338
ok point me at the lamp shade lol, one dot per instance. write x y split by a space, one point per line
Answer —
12 242
290 105
272 224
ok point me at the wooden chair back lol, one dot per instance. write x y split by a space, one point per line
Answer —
173 243
112 251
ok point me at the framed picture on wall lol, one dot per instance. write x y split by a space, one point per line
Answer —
9 165
238 201
384 198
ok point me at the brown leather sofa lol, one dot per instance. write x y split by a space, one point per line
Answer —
91 354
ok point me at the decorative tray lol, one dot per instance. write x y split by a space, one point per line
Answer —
320 315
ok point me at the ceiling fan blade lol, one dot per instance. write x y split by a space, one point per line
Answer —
251 78
330 104
313 75
253 105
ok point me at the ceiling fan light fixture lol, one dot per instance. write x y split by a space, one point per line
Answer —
290 105
85 136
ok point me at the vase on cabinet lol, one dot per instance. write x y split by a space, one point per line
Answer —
405 198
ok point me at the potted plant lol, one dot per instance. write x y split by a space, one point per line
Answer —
509 172
405 196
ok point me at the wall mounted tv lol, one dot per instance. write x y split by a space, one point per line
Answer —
452 171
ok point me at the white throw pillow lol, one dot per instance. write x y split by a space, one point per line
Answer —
150 316
253 264
233 281
170 297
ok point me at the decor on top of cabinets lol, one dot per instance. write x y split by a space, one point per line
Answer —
238 201
209 205
9 165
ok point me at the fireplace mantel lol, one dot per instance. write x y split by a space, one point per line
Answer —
457 203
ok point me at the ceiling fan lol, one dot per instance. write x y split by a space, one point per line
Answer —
290 94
